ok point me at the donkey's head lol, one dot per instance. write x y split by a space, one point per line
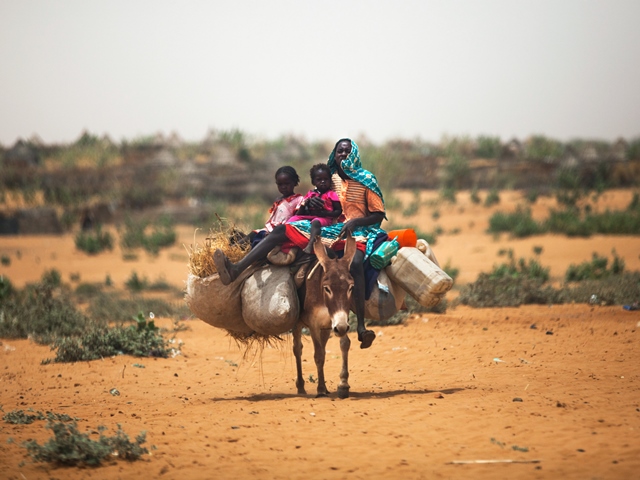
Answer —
336 284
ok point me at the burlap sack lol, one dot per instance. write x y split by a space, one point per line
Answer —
216 304
385 300
270 304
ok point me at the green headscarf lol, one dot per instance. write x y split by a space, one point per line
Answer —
352 167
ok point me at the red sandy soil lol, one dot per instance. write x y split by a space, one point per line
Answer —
546 392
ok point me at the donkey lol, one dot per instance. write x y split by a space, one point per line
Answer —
326 300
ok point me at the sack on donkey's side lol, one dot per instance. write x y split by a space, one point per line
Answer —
270 304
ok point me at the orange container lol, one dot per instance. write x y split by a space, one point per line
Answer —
406 237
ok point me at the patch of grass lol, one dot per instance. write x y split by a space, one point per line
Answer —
135 235
70 447
619 289
532 195
506 291
510 284
493 198
94 242
135 283
20 417
141 340
475 197
43 311
160 285
413 207
86 291
519 223
595 269
512 269
448 194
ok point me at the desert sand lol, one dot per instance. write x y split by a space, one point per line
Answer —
529 392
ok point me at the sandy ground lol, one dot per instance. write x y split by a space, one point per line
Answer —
543 392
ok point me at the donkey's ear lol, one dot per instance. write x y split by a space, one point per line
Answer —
319 250
350 248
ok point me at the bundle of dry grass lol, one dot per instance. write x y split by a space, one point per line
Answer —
222 235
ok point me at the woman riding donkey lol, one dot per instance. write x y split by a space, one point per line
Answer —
363 209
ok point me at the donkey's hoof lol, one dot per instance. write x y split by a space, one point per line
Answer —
366 338
343 392
322 395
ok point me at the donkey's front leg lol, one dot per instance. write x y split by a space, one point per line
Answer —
319 345
297 352
343 388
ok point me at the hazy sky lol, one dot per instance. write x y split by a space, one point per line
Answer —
321 69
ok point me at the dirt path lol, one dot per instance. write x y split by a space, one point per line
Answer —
559 386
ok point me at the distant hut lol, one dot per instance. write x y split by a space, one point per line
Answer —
589 153
570 158
512 149
619 150
164 158
174 140
22 154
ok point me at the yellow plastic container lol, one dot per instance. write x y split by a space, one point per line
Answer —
419 276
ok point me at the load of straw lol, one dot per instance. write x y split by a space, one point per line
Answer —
222 235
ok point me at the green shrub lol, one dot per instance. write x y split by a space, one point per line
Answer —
141 340
568 222
622 289
541 148
6 288
475 197
414 206
532 195
507 291
136 236
43 311
70 447
512 269
448 194
94 242
136 284
595 269
510 284
519 223
488 147
20 417
86 291
493 198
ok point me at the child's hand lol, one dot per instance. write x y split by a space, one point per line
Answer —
315 203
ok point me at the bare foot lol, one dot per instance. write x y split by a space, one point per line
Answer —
223 265
308 248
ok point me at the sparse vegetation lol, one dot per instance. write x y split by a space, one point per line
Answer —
493 198
141 340
136 235
595 269
519 223
44 311
94 242
70 447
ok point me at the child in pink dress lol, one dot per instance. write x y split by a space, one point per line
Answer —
319 214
